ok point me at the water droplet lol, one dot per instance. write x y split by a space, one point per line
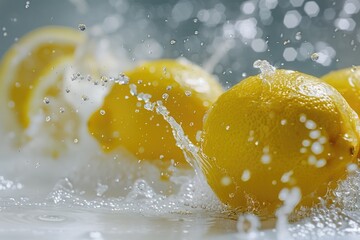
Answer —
248 226
82 27
47 118
84 98
314 56
172 42
76 140
46 100
27 4
102 112
67 90
61 109
133 89
353 68
101 189
165 96
266 69
245 175
226 181
188 93
298 36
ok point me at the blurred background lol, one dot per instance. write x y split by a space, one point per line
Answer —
225 37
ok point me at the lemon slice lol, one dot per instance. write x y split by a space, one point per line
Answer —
25 69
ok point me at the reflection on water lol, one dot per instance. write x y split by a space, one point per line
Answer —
69 223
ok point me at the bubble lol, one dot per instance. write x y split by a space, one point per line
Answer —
82 27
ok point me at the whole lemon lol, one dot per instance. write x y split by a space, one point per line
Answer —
275 131
347 82
186 91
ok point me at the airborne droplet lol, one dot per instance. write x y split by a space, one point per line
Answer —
82 27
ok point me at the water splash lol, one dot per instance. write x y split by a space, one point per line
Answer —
265 67
248 226
290 197
266 70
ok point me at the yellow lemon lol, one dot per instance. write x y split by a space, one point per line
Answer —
347 82
185 90
276 131
22 72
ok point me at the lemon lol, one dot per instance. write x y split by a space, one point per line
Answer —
22 71
347 82
186 91
277 131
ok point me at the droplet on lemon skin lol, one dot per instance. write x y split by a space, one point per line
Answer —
255 111
145 133
347 82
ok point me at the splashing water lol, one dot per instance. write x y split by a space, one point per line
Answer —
290 198
248 226
266 70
